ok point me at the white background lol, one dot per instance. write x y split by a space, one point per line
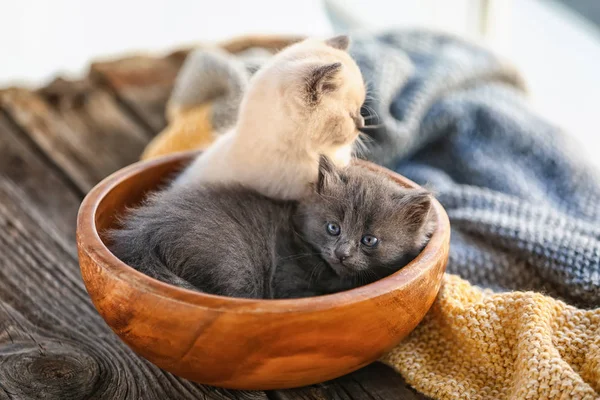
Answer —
558 53
39 38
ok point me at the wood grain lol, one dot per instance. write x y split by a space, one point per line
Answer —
49 190
142 83
244 343
375 382
87 142
53 344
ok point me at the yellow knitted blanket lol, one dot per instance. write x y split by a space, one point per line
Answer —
477 344
473 343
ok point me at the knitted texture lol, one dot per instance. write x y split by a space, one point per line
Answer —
524 207
525 216
478 344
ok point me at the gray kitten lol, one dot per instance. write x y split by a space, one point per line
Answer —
356 227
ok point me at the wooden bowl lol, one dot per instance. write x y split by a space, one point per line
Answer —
243 343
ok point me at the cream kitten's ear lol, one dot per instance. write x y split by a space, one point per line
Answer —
327 173
320 80
341 42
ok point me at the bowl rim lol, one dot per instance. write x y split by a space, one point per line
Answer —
90 243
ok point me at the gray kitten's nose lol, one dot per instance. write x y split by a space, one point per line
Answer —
342 254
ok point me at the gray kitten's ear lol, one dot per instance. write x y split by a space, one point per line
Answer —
320 80
341 42
415 207
327 173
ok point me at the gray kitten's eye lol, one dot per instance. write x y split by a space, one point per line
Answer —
333 229
369 240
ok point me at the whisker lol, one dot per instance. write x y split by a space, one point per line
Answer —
371 275
391 267
312 272
360 147
316 267
366 138
321 269
298 256
373 126
368 110
361 277
372 112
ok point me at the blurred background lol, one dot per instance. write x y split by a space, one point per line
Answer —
555 44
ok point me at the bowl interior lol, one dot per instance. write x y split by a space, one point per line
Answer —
128 188
131 192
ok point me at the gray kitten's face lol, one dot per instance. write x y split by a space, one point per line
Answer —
358 220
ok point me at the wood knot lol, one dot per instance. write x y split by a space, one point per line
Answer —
47 369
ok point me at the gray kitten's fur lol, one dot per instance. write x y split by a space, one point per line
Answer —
235 242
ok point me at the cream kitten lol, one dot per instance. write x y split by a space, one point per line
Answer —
303 103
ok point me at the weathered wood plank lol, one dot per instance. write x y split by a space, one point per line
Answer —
48 189
53 344
88 141
142 83
374 382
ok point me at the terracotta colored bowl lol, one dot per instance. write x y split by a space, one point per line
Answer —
244 343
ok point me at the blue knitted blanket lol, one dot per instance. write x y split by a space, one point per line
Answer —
524 208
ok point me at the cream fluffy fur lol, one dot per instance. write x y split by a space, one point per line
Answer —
305 102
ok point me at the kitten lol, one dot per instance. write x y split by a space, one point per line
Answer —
355 227
304 102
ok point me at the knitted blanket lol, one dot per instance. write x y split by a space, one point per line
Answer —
524 210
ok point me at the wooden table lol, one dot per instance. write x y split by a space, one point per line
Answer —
56 144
